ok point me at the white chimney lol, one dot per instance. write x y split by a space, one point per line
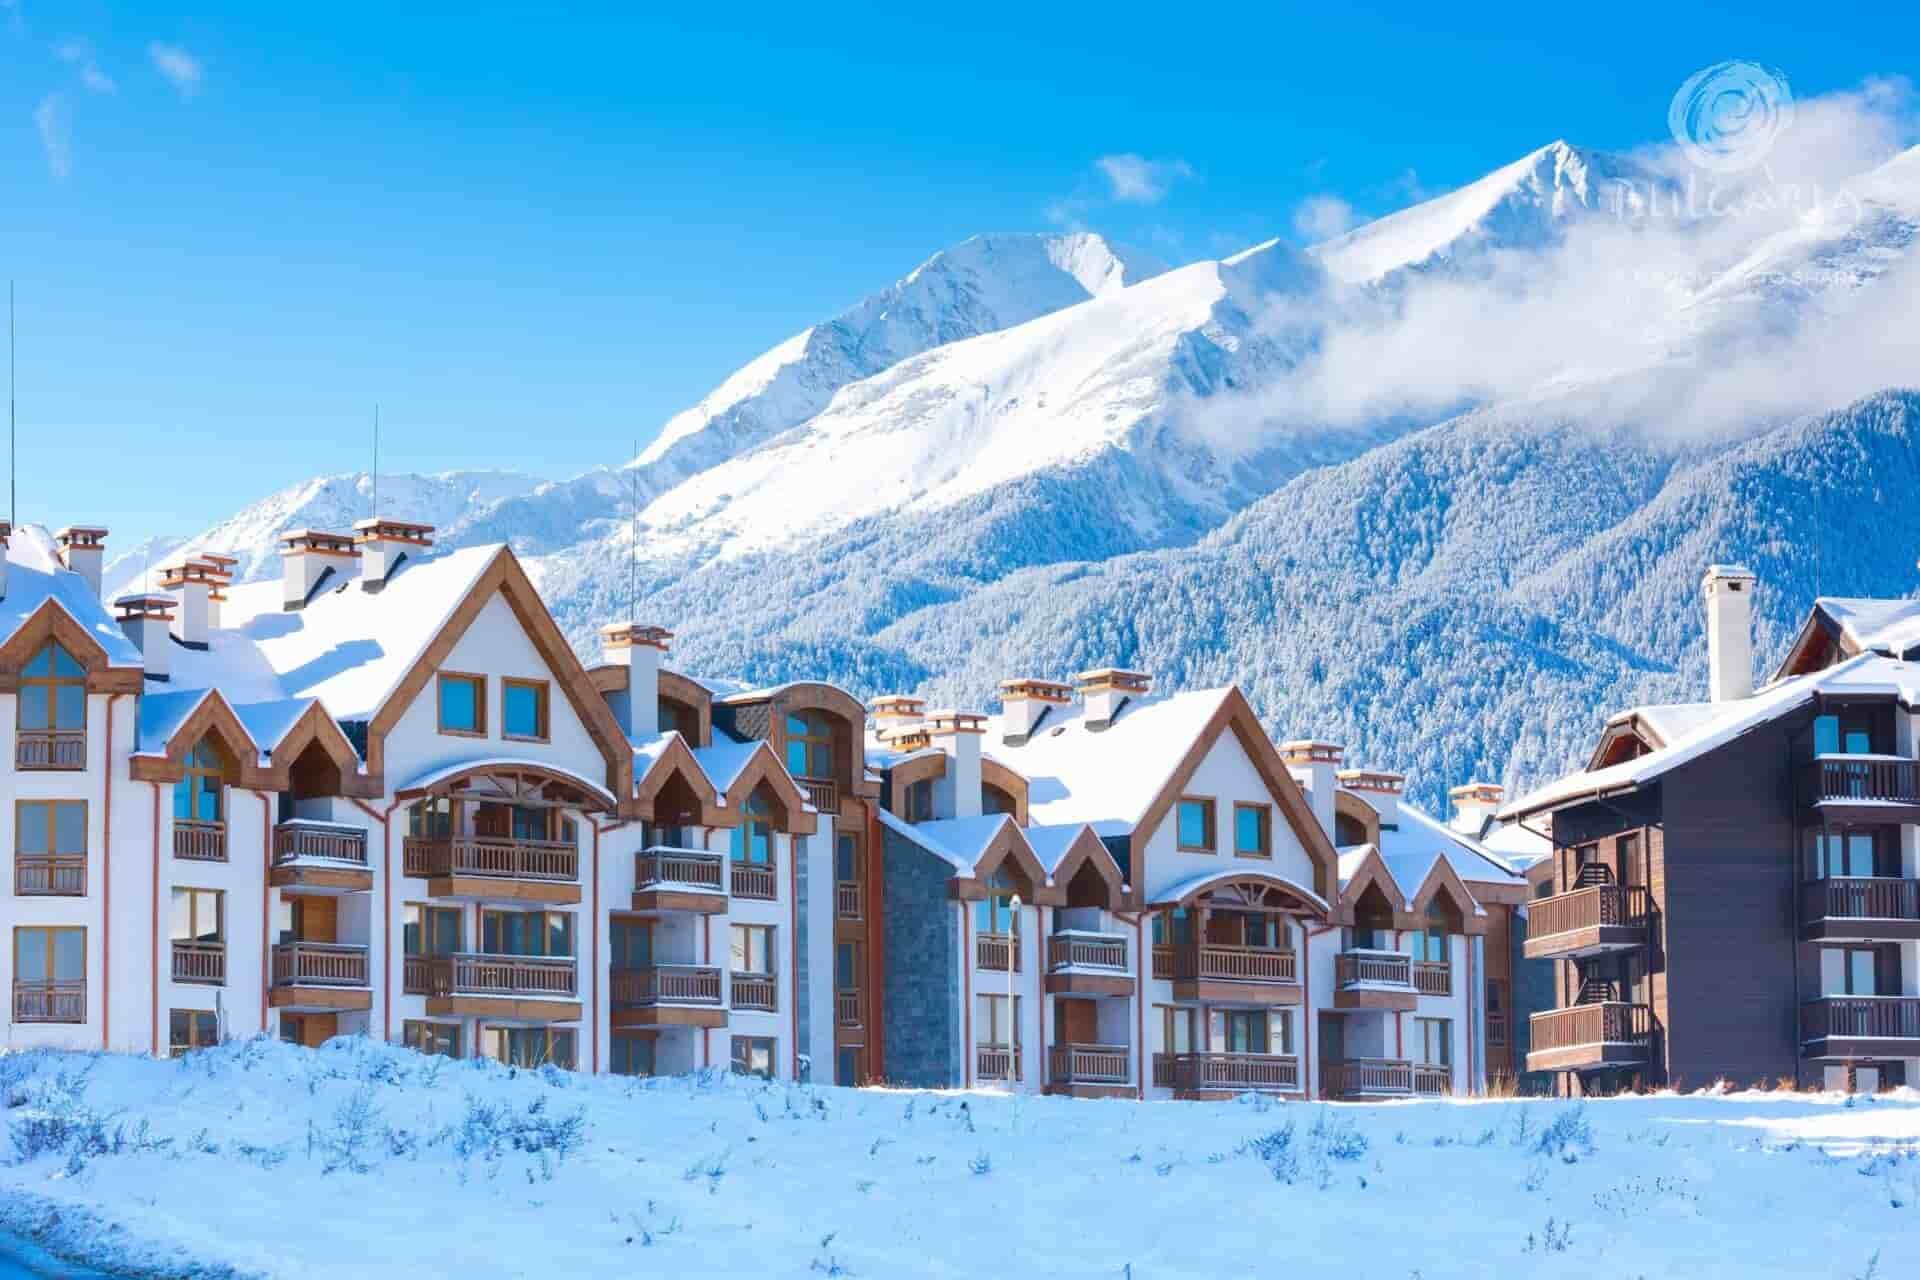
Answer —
148 622
1379 789
958 794
224 565
1313 765
640 650
311 558
6 532
1025 704
82 548
384 544
897 716
1474 804
196 581
1106 690
1729 592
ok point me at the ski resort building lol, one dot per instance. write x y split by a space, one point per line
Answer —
1734 887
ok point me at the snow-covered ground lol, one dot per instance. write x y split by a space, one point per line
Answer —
365 1160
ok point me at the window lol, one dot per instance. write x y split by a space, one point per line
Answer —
1433 1041
1849 971
1251 1031
49 974
994 800
846 966
1195 832
752 949
528 1046
1171 928
1430 943
846 1066
1848 733
50 847
678 717
526 933
991 1023
1626 852
753 838
196 797
920 801
190 1029
846 858
1253 830
432 817
633 1055
809 745
753 1056
441 1039
523 709
1348 830
1846 852
430 931
1176 1029
463 705
994 913
199 916
632 944
53 711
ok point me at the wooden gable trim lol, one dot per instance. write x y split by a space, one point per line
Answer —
678 759
689 692
1373 871
993 773
1347 804
903 775
1266 881
1008 842
1444 879
214 716
316 726
816 695
1821 642
765 767
1089 848
1236 713
51 621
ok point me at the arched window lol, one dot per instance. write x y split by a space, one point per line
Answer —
1348 830
197 796
53 711
995 800
809 745
753 838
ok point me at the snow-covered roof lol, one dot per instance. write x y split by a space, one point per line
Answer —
1673 719
1517 845
1051 843
269 722
162 714
723 761
919 836
36 576
963 840
441 773
1420 837
1181 889
1888 626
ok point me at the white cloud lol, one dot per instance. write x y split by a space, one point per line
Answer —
79 54
1323 217
1134 179
50 117
181 68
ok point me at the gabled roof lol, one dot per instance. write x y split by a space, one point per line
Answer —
37 581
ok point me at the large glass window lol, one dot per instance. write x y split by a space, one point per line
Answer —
1433 1041
440 1038
846 966
1849 971
197 795
633 1055
1251 1031
753 1056
1176 1029
49 955
190 1029
528 1046
526 933
53 692
753 838
463 704
1842 852
920 801
996 1021
523 709
752 949
1430 942
810 745
430 931
1173 927
1196 825
632 944
199 915
846 857
1253 830
994 913
50 841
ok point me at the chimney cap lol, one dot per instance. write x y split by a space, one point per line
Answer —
381 529
1372 780
145 606
628 635
80 535
1480 792
1729 573
1103 678
945 723
1034 689
1311 751
897 706
296 541
195 571
219 559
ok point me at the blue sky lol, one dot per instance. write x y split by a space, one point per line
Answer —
531 238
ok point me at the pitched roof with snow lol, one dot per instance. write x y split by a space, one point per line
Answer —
35 577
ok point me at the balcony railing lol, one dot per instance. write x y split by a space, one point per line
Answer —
1071 949
1604 1022
1432 1081
846 899
301 839
666 984
471 973
822 793
50 875
753 880
204 962
1369 1077
1860 898
1239 1072
753 991
1608 905
319 964
688 868
1861 1018
1088 1063
1838 779
997 951
50 1000
1366 968
1163 961
199 841
491 857
37 749
1433 977
846 1008
997 1062
1217 962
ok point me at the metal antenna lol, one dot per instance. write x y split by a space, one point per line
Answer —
375 513
13 468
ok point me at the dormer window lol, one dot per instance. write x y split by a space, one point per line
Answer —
197 796
810 745
53 712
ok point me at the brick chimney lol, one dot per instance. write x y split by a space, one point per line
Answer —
1105 690
1729 592
196 580
958 795
1474 804
148 622
1379 789
384 545
640 649
1313 765
82 549
309 558
1025 703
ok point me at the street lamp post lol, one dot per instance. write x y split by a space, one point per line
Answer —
1013 1010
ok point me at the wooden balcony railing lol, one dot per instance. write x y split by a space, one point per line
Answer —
822 793
1071 949
50 875
1838 779
49 1000
846 899
1369 1077
753 880
38 749
1433 977
847 1010
1357 968
200 962
1602 904
327 841
1087 1063
1497 1030
1860 898
415 974
1861 1017
491 857
319 964
473 974
1216 962
1163 961
666 984
997 951
1242 1072
997 1062
200 841
691 868
1614 1022
753 991
1432 1081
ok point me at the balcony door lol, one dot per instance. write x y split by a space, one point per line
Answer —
1851 852
632 944
1855 971
526 933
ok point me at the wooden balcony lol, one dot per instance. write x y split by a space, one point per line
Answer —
822 793
1385 1078
996 1062
755 991
200 962
49 1000
320 976
1240 975
469 984
1587 922
1860 909
320 857
40 750
668 995
1606 1033
1091 964
1865 788
199 841
546 871
847 902
997 951
1225 1075
1089 1070
754 882
1433 977
670 879
1364 978
1860 1027
50 875
847 1008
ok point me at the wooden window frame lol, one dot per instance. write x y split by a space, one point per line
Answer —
811 720
1013 1014
1210 807
1265 813
52 851
1420 1037
190 775
410 1027
548 1031
631 1038
479 683
194 894
52 682
49 929
735 1058
1172 1014
543 689
573 931
193 1041
427 911
772 950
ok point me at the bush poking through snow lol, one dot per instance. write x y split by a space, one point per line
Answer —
1569 1137
1555 1237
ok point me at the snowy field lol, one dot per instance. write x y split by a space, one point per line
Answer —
358 1159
